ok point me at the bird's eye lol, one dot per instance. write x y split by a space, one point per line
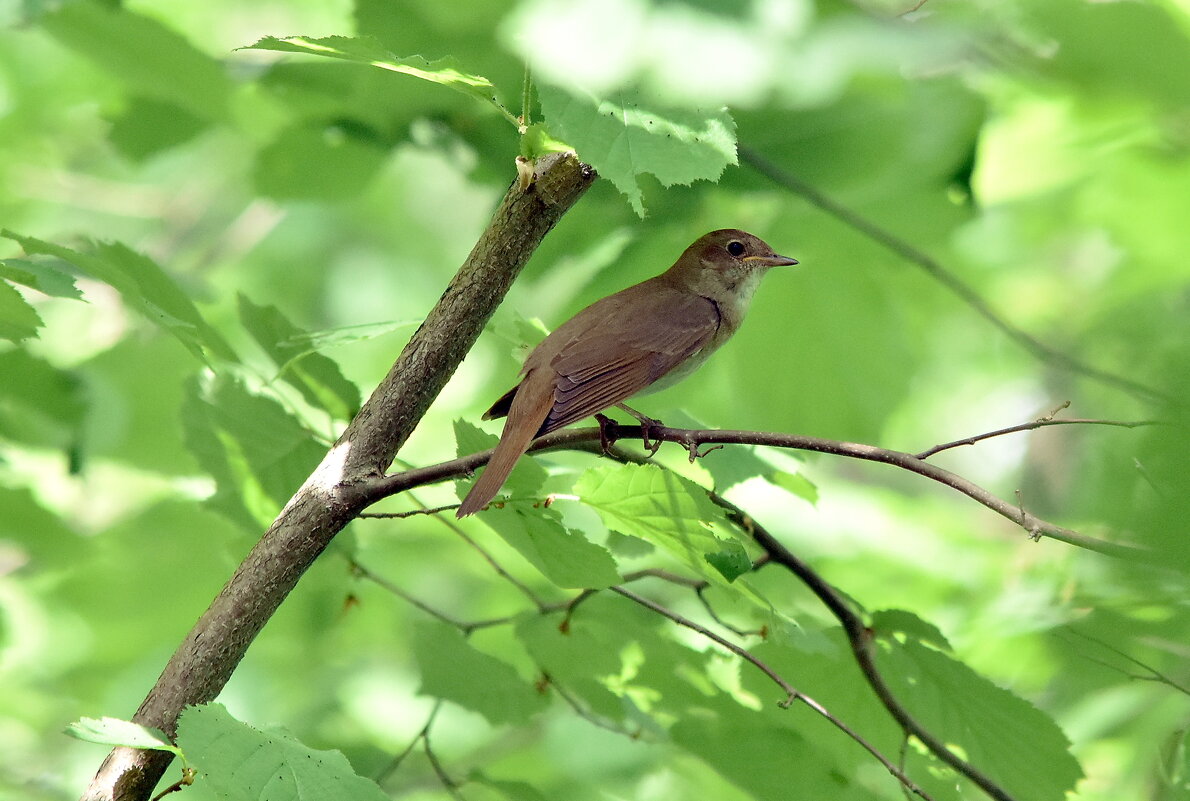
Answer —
735 248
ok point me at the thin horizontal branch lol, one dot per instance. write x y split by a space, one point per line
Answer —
1030 426
692 439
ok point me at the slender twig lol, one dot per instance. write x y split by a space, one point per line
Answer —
411 513
466 627
1144 473
496 566
397 759
935 270
792 694
380 488
449 784
450 523
586 714
187 779
1034 424
665 575
860 639
526 98
700 587
1154 674
710 610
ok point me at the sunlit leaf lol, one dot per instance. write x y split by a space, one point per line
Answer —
144 286
145 54
1003 735
657 505
42 277
565 557
364 50
18 320
453 670
240 761
312 374
624 137
113 731
257 452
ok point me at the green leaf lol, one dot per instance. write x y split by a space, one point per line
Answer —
316 377
366 50
150 58
151 125
624 137
515 791
143 285
453 670
319 161
133 395
18 320
43 278
241 762
1003 735
797 484
1150 56
536 142
565 557
113 731
39 403
581 658
887 622
764 759
526 478
38 533
731 562
309 341
256 451
659 506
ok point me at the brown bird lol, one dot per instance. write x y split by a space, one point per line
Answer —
641 339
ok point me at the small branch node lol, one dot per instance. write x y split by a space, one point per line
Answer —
695 453
1054 412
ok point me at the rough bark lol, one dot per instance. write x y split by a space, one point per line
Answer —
332 495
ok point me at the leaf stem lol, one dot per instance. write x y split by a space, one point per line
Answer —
526 99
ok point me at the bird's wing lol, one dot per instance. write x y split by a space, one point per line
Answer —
612 359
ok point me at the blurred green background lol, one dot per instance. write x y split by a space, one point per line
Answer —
1036 148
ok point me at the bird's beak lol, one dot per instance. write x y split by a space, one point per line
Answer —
770 261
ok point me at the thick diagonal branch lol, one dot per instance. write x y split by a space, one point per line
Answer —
331 497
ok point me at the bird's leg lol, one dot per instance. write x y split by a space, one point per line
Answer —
647 426
607 433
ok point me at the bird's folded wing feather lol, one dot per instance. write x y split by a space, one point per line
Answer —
612 360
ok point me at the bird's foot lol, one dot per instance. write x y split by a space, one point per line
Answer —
648 427
608 433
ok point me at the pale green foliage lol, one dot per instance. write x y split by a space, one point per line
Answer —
668 511
214 254
242 762
443 71
624 136
113 731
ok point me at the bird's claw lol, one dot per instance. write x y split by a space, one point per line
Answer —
607 433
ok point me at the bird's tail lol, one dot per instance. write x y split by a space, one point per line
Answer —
527 412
